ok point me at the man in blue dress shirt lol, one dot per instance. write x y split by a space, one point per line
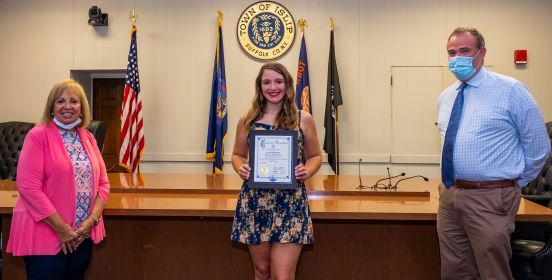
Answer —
497 143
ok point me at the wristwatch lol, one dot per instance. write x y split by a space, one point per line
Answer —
96 221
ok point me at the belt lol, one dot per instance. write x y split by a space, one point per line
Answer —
462 184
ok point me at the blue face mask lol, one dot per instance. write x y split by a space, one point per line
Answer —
462 66
67 126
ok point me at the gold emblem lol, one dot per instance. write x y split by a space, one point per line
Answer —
264 170
266 30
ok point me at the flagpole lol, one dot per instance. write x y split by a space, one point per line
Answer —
336 121
218 117
132 140
336 142
219 25
302 85
132 18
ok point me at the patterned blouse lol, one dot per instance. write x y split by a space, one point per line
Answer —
83 173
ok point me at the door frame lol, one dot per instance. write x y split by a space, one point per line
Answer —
86 79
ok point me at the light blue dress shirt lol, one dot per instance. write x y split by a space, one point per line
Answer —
502 134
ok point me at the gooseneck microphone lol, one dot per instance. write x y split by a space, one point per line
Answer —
360 185
389 185
389 177
411 177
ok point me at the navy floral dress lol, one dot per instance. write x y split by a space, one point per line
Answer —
274 215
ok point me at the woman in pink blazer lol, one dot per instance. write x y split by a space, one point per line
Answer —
63 187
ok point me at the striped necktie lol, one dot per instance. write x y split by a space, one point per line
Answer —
447 164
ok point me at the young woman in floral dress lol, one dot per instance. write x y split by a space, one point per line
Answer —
275 223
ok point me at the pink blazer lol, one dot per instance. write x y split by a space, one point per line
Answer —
46 184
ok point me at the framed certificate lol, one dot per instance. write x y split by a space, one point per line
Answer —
272 158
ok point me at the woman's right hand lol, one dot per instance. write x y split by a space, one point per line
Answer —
244 171
68 237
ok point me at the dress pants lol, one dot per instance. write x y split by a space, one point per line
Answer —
71 266
474 228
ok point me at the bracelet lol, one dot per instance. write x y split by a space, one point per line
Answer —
96 221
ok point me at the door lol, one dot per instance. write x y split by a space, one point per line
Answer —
414 96
107 98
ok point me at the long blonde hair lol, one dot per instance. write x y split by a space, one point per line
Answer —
57 91
287 118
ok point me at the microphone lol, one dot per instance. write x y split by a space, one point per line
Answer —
411 177
360 185
388 178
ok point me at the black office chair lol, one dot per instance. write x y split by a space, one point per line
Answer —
540 189
532 241
98 129
532 257
12 135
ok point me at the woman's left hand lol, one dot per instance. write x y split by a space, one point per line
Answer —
83 231
301 173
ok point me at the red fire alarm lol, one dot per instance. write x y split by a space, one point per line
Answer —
520 56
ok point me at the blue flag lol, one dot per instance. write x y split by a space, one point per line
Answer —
218 115
302 90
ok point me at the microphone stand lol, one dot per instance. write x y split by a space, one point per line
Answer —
389 175
389 185
360 185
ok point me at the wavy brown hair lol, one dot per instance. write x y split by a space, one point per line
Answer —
58 89
287 118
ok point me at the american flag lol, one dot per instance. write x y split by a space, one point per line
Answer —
132 133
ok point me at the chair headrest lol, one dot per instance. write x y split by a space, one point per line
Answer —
98 129
12 136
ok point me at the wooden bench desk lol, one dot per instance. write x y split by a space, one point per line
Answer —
177 226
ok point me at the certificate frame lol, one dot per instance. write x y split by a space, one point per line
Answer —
277 172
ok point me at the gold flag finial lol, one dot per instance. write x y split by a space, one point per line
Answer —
331 24
302 24
132 17
219 13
